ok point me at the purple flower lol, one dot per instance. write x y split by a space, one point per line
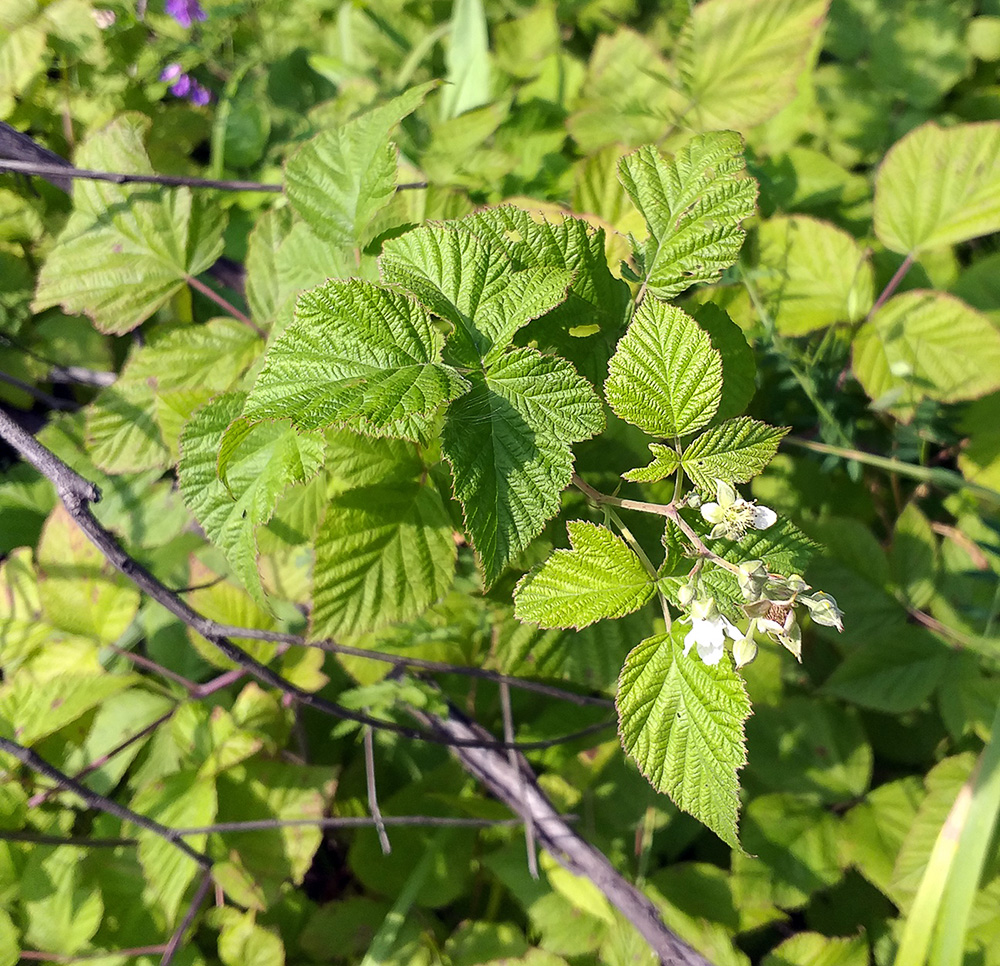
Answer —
184 85
200 96
185 11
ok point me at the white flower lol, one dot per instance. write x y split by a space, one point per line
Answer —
708 633
732 517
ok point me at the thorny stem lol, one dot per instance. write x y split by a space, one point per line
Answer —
668 510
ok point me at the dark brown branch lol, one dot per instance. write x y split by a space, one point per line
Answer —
77 494
517 789
424 664
14 144
65 173
101 803
61 174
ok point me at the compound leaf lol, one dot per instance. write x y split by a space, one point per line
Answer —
357 356
508 442
472 284
600 577
694 205
734 451
682 722
384 554
268 459
664 377
340 179
126 249
938 187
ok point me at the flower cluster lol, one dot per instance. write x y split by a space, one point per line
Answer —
185 12
184 85
769 599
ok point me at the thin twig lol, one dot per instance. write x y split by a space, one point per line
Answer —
115 177
225 304
37 838
39 394
77 494
424 664
892 285
192 911
352 821
383 838
41 797
529 825
100 802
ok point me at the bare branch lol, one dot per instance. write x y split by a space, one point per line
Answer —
508 734
566 847
77 494
64 173
383 839
103 804
192 911
401 660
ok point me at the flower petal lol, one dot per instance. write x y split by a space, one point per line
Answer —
763 517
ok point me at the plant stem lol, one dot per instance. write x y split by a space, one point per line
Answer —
891 285
224 304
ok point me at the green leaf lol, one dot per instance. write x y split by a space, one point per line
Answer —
508 443
734 451
893 675
269 458
62 910
355 355
468 60
340 179
740 62
262 284
243 943
682 723
471 283
739 367
694 206
129 425
980 459
664 377
815 949
600 577
80 591
10 947
181 800
384 554
811 274
939 186
824 755
665 463
791 851
914 557
580 328
926 345
38 703
126 249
